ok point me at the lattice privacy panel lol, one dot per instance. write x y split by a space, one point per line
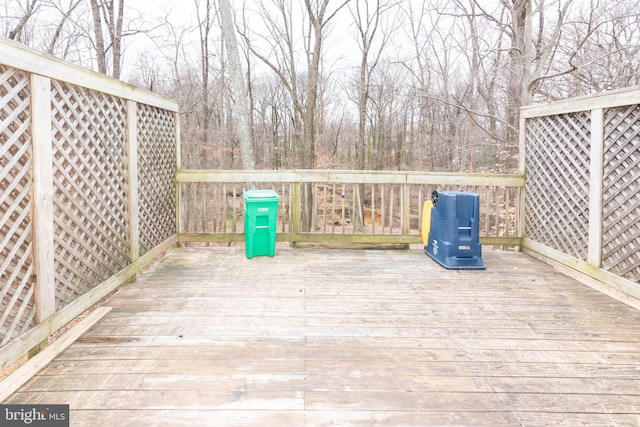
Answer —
621 192
90 201
557 186
16 263
157 169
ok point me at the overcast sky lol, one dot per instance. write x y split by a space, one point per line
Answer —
340 47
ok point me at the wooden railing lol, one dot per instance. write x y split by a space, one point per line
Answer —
338 207
583 187
87 196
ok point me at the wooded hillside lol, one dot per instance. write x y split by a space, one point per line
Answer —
355 84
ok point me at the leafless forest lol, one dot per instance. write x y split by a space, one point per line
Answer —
358 84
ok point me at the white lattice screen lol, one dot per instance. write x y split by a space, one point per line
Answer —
71 192
582 161
557 184
16 263
621 192
90 202
157 167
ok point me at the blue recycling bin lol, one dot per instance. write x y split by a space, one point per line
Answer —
454 240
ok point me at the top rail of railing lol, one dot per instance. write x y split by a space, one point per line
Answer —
351 176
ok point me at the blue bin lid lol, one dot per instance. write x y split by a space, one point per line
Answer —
261 196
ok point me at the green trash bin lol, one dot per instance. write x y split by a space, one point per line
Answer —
260 219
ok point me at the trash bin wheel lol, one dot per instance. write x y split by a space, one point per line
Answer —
434 197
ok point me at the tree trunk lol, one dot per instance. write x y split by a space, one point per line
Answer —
311 104
520 70
116 38
60 26
16 33
363 96
237 81
101 55
204 27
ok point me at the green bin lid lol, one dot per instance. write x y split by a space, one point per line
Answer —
261 196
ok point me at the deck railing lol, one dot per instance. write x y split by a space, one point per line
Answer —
342 207
87 194
583 185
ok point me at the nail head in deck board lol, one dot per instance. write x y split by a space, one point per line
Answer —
315 336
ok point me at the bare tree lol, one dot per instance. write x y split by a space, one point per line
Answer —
241 97
367 17
601 47
108 17
205 19
29 10
280 56
531 47
319 18
278 52
110 28
66 16
278 44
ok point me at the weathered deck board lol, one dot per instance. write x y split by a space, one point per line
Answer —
318 337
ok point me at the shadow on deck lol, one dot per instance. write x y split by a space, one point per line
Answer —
325 337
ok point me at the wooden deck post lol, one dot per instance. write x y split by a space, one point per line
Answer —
43 225
594 255
406 208
178 167
132 156
522 156
296 213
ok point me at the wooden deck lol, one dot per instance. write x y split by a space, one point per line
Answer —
318 337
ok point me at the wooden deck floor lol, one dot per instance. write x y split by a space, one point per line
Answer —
318 337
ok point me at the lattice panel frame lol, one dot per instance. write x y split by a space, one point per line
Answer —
557 185
90 201
157 179
17 283
621 192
